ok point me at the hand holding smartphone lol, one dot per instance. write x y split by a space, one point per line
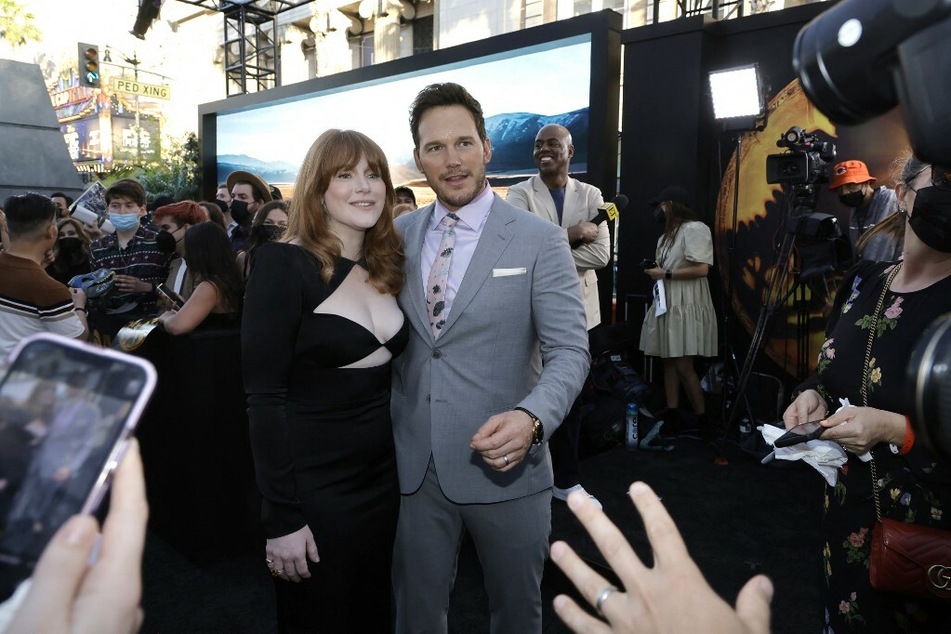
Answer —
170 295
801 433
67 411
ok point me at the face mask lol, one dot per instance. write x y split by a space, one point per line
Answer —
931 218
124 222
239 211
853 199
222 205
269 233
659 215
70 245
165 241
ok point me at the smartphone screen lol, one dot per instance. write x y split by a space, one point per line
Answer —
171 295
66 412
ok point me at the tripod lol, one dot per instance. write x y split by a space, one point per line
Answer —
778 292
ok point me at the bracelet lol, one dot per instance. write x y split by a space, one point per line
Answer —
82 309
669 274
909 438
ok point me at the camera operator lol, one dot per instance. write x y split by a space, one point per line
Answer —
869 207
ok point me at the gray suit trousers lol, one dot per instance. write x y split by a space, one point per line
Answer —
511 539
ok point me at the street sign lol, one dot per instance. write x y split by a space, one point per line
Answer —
131 87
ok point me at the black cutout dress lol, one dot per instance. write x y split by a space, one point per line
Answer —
322 441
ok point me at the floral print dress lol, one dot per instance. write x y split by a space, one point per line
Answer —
914 488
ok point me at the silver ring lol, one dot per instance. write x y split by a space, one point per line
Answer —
599 603
506 459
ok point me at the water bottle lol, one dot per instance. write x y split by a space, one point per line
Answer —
746 428
630 427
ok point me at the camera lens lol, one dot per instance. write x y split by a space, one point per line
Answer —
928 386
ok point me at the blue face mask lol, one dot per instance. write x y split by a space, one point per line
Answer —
124 222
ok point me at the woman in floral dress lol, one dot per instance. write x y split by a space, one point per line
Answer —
915 485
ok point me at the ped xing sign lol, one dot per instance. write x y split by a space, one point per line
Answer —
131 87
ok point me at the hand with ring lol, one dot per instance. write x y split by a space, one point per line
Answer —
287 556
670 597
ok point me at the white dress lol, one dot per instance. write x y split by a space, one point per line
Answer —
689 327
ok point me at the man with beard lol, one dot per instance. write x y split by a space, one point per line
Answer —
571 205
868 206
497 352
248 193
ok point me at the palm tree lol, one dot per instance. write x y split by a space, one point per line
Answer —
17 25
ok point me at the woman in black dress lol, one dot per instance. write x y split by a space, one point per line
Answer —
914 485
320 327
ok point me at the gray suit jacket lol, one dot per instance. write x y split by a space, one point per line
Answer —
581 203
519 298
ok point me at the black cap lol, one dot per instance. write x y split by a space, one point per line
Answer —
675 193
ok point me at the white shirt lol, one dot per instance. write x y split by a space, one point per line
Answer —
468 231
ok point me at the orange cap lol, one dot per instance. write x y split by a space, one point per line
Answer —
849 172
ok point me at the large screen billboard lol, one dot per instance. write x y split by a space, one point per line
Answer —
560 73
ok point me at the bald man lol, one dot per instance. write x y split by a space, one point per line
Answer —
570 204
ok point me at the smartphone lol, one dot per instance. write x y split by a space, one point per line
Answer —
802 432
171 296
67 411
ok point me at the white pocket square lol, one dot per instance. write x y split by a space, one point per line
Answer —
507 272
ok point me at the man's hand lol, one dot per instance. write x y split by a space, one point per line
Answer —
583 232
78 297
129 284
670 597
504 439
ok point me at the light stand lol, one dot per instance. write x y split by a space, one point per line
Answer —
738 105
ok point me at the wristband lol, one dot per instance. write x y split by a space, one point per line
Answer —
82 310
909 438
669 274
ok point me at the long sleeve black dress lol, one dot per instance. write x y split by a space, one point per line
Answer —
322 441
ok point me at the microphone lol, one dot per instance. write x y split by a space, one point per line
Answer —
610 211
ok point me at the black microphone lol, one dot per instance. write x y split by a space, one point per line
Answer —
610 211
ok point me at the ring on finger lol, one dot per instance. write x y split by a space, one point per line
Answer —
276 573
602 597
506 459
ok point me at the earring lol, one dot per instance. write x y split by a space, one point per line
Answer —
903 211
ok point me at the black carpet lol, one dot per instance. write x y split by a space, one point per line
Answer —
738 519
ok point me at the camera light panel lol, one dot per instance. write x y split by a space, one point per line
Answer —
736 93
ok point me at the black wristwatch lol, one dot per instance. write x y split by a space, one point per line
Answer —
538 430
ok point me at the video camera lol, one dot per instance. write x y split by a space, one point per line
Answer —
805 161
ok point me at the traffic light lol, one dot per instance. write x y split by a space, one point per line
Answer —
88 65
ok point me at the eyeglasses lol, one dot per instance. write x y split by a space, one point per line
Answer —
940 177
802 432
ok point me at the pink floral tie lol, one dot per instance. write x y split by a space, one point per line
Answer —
439 274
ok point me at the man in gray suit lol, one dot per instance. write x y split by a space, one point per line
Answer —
570 204
488 289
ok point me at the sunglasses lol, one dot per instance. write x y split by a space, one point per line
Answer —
802 432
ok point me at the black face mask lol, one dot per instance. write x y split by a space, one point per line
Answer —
70 245
659 216
853 199
239 211
931 218
269 233
222 205
165 241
